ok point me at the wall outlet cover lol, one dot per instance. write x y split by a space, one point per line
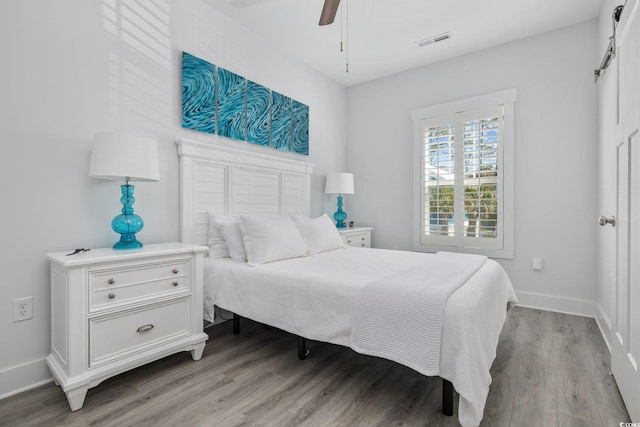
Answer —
22 309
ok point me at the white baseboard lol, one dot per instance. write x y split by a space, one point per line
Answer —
24 377
569 306
558 304
604 324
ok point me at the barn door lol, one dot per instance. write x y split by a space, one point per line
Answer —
625 342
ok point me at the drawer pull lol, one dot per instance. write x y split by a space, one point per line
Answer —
175 271
348 241
111 281
362 238
111 295
145 328
175 283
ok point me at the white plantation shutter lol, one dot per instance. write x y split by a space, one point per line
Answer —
462 185
482 177
462 171
439 173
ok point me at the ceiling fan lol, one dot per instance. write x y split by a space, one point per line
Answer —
329 12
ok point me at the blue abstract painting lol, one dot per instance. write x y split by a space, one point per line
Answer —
232 118
280 121
215 100
258 118
198 94
300 114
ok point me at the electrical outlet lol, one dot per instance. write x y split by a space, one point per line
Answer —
537 264
22 309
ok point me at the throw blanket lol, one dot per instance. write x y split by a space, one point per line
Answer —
399 317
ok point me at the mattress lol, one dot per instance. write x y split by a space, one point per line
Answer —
314 297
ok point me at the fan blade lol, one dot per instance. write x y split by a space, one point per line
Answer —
329 12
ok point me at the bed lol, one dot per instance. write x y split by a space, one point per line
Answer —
341 295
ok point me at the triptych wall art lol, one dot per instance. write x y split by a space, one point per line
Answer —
215 100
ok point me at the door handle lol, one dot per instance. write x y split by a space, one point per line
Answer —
603 220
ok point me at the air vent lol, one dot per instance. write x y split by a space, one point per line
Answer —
434 39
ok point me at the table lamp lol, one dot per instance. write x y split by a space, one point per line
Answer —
118 156
339 183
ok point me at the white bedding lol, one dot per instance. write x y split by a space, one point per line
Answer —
314 297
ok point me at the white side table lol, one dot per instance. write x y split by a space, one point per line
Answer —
359 237
114 310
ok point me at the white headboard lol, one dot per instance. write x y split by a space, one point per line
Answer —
234 181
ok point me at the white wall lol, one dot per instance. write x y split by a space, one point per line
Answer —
555 153
75 67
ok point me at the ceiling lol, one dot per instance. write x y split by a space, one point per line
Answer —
382 33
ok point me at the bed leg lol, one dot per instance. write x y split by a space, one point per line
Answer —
236 324
447 397
302 348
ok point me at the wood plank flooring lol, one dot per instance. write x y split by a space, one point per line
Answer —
551 370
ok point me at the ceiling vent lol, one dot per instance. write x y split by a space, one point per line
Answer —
434 39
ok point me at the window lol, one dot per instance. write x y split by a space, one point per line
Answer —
464 175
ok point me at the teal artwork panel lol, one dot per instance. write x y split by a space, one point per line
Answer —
280 121
258 113
215 100
198 94
300 136
232 117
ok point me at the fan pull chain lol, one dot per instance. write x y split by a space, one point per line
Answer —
347 37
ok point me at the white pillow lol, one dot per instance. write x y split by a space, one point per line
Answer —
217 246
271 238
320 234
232 235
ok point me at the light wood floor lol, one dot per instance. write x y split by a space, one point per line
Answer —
551 370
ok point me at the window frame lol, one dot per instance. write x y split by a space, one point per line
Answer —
505 99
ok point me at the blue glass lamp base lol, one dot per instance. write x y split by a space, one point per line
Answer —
127 224
127 241
124 224
340 215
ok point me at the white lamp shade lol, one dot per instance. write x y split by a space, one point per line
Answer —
117 155
339 183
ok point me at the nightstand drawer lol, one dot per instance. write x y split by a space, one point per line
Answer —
359 240
357 237
115 287
118 336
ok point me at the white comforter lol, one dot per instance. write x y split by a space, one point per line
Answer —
315 297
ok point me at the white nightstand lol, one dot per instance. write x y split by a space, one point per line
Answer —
114 310
358 237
